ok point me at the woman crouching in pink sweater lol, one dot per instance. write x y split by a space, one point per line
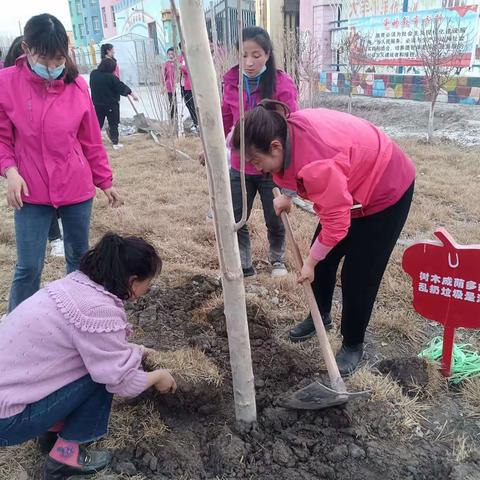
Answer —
65 353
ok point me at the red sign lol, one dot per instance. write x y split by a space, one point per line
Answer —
446 285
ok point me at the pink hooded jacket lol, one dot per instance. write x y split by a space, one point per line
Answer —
169 75
50 132
337 160
286 92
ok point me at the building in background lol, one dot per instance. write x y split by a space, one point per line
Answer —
92 20
225 28
78 23
109 22
394 71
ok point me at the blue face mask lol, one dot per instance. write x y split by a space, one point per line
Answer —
262 70
47 73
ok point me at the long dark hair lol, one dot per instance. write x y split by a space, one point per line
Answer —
107 65
115 259
45 35
263 124
104 49
14 52
268 81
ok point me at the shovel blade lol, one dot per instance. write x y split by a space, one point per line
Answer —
141 122
317 396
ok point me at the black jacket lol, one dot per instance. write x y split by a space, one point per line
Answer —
106 88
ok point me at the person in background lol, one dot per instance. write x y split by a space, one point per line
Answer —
107 50
261 80
336 160
106 89
55 238
65 353
51 152
14 52
170 83
186 88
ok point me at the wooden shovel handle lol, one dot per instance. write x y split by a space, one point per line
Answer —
133 105
336 379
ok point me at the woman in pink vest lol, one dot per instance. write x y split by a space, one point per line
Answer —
261 80
170 83
51 152
337 161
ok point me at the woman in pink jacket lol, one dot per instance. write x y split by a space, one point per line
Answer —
51 152
170 83
261 80
186 88
337 161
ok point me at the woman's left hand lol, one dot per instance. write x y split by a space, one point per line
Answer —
308 270
114 199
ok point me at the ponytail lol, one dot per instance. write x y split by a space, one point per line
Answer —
115 259
263 124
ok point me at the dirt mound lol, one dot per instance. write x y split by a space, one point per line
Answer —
357 440
410 373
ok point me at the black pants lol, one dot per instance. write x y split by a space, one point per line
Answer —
112 112
172 102
367 249
190 103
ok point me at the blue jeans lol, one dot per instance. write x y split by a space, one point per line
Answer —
83 405
32 224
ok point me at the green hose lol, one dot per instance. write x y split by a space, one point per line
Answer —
465 361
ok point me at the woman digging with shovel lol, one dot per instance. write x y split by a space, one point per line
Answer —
336 160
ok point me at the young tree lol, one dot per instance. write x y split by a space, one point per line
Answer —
440 45
199 61
352 47
303 62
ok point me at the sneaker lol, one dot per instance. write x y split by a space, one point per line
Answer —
249 272
348 358
89 463
117 146
306 329
279 270
57 248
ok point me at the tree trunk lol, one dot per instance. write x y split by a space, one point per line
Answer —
350 100
431 114
204 85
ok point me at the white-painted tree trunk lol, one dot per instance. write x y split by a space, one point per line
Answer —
204 85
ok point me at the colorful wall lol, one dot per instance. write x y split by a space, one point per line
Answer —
465 90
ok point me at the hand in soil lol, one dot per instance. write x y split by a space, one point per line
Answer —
167 383
148 351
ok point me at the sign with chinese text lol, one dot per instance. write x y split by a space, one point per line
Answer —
393 38
368 8
446 285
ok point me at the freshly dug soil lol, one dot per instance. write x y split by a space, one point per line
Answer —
355 441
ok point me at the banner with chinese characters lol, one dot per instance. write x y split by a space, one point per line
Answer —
392 37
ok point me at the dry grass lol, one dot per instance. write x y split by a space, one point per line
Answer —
385 389
17 462
188 364
471 395
131 424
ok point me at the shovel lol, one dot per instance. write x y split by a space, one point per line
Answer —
316 395
139 119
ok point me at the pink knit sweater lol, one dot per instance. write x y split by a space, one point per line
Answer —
70 328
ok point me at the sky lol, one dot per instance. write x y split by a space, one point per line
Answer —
14 11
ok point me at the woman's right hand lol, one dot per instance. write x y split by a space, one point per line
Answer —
282 204
165 382
15 186
201 158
